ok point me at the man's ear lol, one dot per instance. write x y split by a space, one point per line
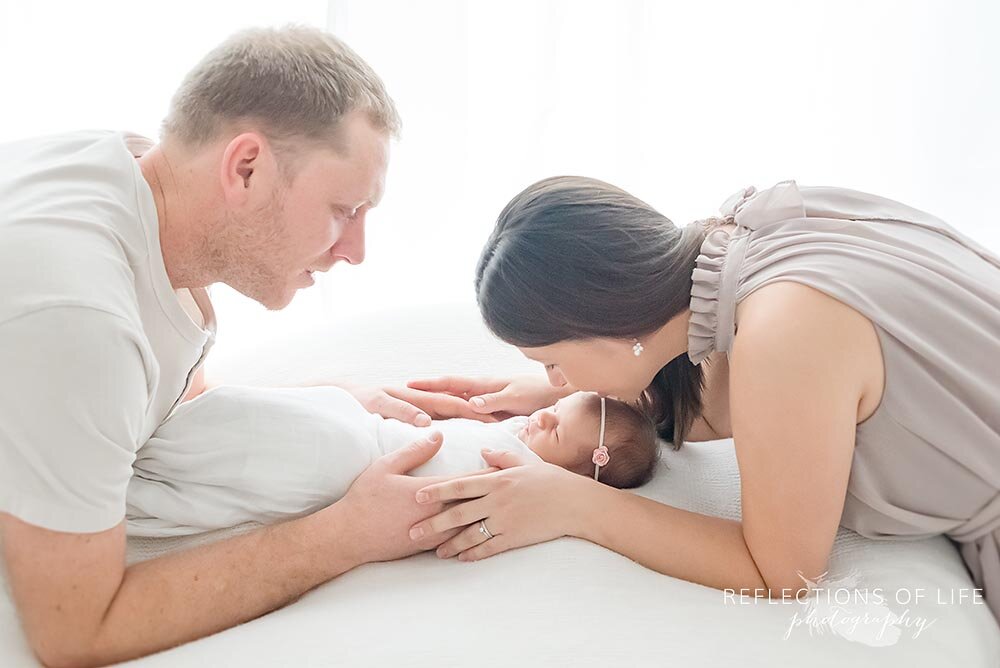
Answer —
239 160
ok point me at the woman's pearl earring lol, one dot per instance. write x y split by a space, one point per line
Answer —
637 348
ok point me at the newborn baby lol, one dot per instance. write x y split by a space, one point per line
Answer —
246 454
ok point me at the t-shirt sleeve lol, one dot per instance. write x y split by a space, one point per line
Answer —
73 398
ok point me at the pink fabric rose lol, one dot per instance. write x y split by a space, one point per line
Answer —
601 456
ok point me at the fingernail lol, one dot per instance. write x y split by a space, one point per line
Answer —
422 497
416 533
487 450
462 557
477 402
442 553
422 421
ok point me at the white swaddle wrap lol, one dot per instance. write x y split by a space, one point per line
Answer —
249 454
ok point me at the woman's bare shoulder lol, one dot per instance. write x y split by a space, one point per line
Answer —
795 320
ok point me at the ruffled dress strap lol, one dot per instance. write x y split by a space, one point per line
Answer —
716 276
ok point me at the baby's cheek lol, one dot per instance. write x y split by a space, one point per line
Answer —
537 448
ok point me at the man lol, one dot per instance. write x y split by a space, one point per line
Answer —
274 150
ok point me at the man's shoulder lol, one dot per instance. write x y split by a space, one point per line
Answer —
70 228
78 173
60 144
57 155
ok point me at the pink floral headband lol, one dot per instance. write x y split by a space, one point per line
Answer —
601 455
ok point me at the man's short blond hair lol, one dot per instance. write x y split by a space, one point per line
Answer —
294 83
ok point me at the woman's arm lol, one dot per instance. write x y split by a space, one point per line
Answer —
535 503
804 370
687 545
796 391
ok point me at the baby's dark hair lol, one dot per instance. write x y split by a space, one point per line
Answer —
631 438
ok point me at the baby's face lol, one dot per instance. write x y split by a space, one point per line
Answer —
567 433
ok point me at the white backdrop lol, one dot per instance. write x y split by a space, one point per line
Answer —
679 102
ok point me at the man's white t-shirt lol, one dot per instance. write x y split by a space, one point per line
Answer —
96 347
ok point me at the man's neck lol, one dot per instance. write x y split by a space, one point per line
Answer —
177 230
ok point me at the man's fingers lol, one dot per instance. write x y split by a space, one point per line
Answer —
455 516
406 459
400 409
463 487
435 540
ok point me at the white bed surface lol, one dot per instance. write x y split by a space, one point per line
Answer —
564 603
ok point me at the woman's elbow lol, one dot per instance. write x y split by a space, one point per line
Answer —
789 578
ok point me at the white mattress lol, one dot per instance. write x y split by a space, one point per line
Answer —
563 603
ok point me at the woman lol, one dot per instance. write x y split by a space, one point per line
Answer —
849 344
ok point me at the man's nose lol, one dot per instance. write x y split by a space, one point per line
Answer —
351 245
556 378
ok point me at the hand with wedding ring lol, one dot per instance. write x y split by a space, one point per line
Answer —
524 503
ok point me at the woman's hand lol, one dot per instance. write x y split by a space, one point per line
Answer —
380 506
417 407
496 397
523 503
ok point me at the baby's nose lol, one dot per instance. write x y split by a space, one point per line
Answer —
547 420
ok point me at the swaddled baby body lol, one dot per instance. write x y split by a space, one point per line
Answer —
247 454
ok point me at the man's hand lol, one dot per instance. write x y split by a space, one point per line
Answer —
522 502
381 506
80 606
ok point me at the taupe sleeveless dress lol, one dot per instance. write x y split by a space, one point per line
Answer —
927 461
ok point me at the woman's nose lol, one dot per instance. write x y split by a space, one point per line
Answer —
556 378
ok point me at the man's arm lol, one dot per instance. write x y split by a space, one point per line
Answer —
81 606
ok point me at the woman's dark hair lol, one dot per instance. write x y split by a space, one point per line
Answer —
576 258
